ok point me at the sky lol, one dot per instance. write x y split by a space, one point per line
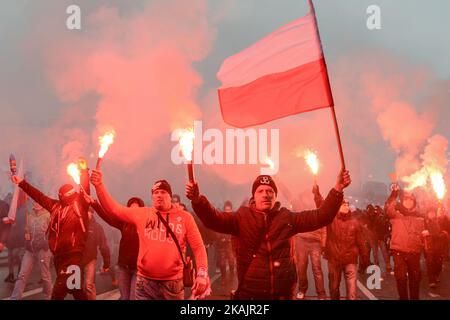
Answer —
147 68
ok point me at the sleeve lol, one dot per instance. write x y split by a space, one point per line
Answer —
112 207
5 230
46 202
108 218
223 222
323 237
390 206
104 248
196 243
314 219
318 199
84 182
361 243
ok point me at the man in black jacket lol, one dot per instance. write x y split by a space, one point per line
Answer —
67 233
128 249
265 234
96 240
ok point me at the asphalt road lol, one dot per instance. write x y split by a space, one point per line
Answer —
221 291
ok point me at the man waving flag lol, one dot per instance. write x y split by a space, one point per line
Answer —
280 75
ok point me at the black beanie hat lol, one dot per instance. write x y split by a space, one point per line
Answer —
264 180
137 200
162 184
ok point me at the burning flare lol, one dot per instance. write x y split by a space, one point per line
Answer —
416 180
312 161
74 172
187 143
437 180
105 141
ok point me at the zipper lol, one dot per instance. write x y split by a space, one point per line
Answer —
269 247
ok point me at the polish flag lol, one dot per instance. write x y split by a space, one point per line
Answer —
280 75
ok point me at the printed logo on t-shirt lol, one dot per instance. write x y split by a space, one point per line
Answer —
158 233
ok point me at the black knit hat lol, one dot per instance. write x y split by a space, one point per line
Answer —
264 180
137 200
163 185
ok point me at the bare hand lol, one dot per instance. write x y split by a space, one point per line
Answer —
200 286
16 180
96 178
315 188
192 191
343 180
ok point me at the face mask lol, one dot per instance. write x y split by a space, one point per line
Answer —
68 197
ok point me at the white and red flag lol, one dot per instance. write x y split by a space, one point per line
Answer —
280 75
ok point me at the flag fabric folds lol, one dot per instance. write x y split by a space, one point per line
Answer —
280 75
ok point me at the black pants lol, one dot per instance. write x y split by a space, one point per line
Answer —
62 285
407 274
434 261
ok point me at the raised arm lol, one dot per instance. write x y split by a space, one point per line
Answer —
318 199
314 219
108 218
46 202
389 206
223 222
110 205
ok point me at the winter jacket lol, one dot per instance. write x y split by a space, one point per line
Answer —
37 225
16 237
129 243
266 249
435 241
96 239
65 233
406 228
345 241
159 258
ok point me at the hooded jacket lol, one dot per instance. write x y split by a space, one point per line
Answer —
345 241
65 232
407 227
159 258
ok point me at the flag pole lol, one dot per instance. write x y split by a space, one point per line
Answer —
333 112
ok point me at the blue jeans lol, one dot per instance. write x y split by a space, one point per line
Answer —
335 270
313 250
127 283
147 289
42 257
89 278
